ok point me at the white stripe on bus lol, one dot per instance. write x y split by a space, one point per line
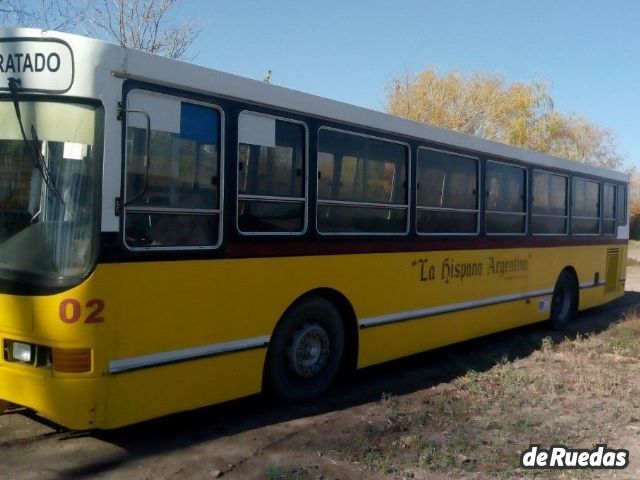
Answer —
193 353
164 358
452 307
456 307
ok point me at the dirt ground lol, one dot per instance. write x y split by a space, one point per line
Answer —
465 411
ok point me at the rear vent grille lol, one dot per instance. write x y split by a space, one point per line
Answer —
613 269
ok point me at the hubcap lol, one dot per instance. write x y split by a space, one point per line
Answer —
309 350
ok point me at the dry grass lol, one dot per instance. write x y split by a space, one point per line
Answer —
576 392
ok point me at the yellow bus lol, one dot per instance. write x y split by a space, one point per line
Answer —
173 237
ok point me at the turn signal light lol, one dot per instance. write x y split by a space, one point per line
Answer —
72 360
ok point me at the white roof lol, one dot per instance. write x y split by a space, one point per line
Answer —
92 55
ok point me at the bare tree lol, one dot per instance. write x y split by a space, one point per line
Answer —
61 15
148 25
144 25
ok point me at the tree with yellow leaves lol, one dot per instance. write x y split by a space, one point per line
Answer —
485 105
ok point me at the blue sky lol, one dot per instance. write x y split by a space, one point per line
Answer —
349 50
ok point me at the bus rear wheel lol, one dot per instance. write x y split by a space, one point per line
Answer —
564 303
305 351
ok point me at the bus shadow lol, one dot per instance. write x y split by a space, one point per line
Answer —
421 371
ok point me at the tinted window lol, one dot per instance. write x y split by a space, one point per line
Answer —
608 209
259 216
585 213
175 201
447 197
271 173
178 168
621 205
171 230
505 187
549 203
362 184
353 219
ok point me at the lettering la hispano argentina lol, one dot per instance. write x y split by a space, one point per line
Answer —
449 270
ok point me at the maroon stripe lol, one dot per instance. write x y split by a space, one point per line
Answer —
284 248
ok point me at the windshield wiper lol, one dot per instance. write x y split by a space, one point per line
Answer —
34 151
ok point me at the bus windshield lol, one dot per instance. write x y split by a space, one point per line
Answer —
48 192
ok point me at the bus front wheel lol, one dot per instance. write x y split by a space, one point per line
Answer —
564 303
305 351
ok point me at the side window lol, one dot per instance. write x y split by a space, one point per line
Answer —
585 210
174 201
271 175
621 205
550 215
362 184
608 209
447 186
506 207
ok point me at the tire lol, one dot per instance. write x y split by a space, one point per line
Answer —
3 405
305 351
564 303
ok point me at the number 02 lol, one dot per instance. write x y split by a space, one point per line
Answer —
70 311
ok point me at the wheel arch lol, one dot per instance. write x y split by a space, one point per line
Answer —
349 322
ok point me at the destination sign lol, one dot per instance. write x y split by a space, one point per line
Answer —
40 65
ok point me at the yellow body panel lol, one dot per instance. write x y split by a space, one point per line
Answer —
156 307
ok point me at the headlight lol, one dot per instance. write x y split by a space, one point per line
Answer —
21 352
27 353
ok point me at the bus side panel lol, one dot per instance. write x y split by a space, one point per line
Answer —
164 307
531 278
169 307
423 334
144 394
611 272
